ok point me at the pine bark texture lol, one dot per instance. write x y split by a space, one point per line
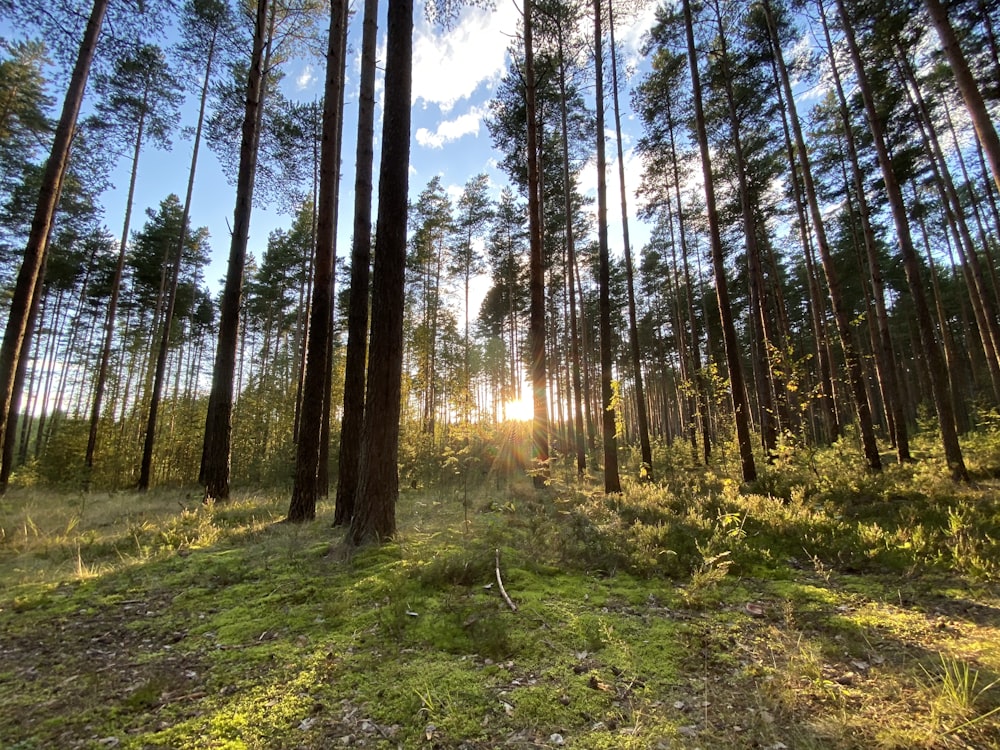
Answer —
306 490
374 517
217 447
911 264
352 420
736 382
536 270
30 272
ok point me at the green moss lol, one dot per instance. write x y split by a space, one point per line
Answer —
190 627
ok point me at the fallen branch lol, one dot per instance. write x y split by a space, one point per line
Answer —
503 591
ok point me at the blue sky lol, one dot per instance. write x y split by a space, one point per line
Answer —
454 76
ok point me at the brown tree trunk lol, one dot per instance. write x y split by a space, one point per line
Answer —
763 347
885 359
612 482
737 388
7 462
48 197
974 102
642 413
323 470
829 428
306 490
697 372
580 444
217 447
980 294
854 366
911 264
536 270
357 316
378 486
145 470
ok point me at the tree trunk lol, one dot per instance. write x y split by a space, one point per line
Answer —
911 264
581 448
642 413
974 102
763 347
7 462
378 486
306 489
536 270
854 365
145 470
612 483
737 387
885 359
217 447
41 224
979 292
323 470
357 316
829 428
697 373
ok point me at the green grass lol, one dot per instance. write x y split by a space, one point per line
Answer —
822 607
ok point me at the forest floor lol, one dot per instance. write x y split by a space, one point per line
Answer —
848 611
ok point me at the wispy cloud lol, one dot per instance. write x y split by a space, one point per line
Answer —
306 78
451 130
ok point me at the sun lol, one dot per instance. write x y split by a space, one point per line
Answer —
521 409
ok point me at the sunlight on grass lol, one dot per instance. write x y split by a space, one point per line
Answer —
691 612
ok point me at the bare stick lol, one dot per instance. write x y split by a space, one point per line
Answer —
503 591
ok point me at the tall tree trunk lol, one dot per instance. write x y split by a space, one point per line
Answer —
585 363
885 359
697 373
951 357
145 470
829 427
763 346
41 224
63 401
49 368
323 470
109 325
357 316
737 387
980 294
581 448
974 102
217 447
642 414
378 486
840 314
911 263
306 489
536 269
612 483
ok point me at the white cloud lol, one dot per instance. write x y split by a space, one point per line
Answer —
451 130
630 38
306 78
450 66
